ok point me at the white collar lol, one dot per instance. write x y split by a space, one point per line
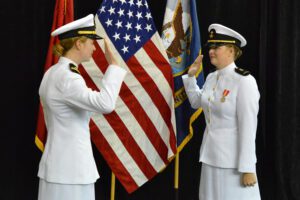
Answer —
227 69
66 60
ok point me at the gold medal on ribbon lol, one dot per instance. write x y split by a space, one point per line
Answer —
225 93
223 99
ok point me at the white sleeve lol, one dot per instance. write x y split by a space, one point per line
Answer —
247 110
192 90
77 94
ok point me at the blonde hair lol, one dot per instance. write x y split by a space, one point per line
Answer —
61 48
237 51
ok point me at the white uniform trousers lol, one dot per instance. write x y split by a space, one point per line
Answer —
224 184
57 191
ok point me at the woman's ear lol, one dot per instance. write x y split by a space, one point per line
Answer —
232 51
78 44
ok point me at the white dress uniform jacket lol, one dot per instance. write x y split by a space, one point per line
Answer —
67 103
230 102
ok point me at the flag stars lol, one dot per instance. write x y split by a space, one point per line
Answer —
119 24
126 37
130 14
148 16
123 1
137 38
131 2
121 12
124 49
146 4
111 11
116 36
148 27
128 26
108 22
102 9
138 27
139 3
139 15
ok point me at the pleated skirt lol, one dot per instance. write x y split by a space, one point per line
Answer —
224 184
56 191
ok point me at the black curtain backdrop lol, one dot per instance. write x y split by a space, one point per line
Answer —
272 29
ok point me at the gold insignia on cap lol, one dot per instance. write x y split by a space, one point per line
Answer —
211 34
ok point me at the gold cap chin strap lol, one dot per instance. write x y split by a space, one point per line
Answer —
86 32
223 41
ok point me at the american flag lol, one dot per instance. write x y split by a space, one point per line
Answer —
138 139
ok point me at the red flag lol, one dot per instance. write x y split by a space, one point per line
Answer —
138 139
63 14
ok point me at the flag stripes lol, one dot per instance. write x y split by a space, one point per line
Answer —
131 131
112 159
149 113
146 61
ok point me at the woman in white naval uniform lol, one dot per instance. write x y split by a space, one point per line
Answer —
230 101
67 169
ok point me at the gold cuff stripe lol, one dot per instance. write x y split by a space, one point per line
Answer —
87 32
225 41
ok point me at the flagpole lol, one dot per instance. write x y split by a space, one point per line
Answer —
113 186
176 176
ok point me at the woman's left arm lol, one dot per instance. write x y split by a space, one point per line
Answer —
247 110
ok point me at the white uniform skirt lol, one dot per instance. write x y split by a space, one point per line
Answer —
56 191
224 184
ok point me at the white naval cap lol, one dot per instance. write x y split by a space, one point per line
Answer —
81 27
219 34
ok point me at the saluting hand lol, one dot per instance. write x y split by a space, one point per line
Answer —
195 66
109 55
249 179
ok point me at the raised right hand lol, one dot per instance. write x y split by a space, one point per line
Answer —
195 66
109 55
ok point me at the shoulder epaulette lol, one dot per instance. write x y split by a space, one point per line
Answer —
74 69
241 71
